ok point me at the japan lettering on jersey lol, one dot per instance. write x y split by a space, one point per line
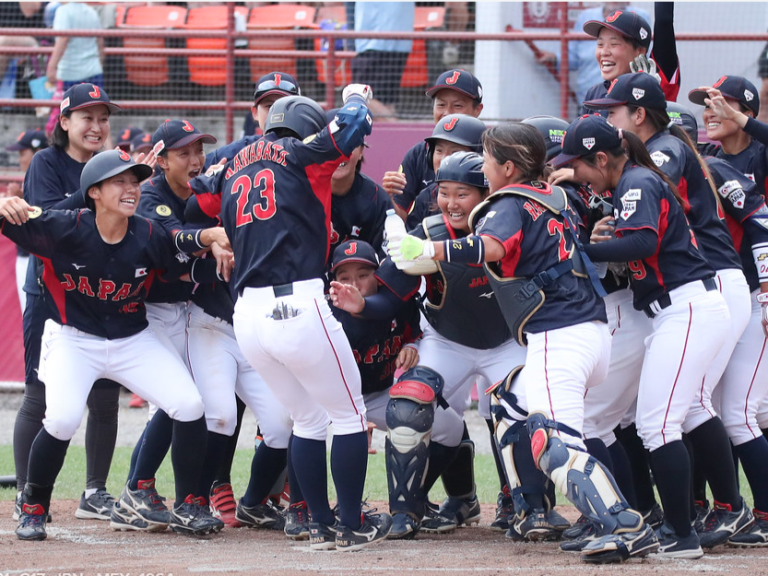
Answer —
704 212
642 200
96 287
536 239
274 200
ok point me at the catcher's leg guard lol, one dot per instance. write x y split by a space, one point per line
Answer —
410 414
584 480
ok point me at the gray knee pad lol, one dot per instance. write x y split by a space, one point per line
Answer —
582 478
410 414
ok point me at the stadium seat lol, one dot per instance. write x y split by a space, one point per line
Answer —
277 17
415 73
208 70
149 70
332 17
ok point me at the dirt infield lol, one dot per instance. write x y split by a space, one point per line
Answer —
90 548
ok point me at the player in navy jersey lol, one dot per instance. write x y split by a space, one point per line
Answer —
452 133
548 294
623 39
269 89
455 91
743 387
52 181
635 103
98 265
672 281
274 200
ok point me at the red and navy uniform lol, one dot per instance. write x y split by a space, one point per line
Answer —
535 239
704 214
753 160
377 343
664 53
643 201
285 186
360 214
418 174
741 203
228 151
96 287
424 205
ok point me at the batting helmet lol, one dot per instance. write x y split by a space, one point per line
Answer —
107 164
681 116
552 129
459 129
299 114
464 167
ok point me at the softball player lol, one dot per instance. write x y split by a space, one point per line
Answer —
81 131
282 322
635 103
98 329
526 239
674 284
623 39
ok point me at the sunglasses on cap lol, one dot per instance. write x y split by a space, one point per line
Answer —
282 85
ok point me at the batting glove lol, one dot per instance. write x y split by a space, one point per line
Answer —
644 64
362 91
411 248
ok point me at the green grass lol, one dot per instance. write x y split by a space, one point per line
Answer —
71 481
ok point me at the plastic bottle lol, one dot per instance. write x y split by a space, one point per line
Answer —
394 227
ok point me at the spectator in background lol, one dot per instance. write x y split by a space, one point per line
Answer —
28 143
75 59
380 63
581 53
18 15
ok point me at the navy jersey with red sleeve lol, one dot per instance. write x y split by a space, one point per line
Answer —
643 201
424 205
741 201
535 239
752 162
360 214
274 200
377 343
96 287
704 213
53 175
418 174
159 203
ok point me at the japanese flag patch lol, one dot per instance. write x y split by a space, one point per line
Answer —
141 272
627 209
588 143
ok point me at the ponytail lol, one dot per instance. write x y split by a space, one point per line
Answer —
638 153
681 134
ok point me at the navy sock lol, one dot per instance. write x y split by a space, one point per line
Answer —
223 474
754 459
532 480
214 452
101 432
152 448
459 477
46 459
187 455
308 457
712 451
266 467
29 422
496 459
293 482
672 470
440 457
599 451
638 463
349 464
622 473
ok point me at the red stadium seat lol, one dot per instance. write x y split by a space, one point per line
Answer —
277 17
208 70
415 73
343 73
149 70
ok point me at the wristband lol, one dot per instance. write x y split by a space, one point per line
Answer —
762 298
467 250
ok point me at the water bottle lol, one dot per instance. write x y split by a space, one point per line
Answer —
394 228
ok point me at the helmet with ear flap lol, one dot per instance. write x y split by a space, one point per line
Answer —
459 129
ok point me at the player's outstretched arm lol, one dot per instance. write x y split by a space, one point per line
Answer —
15 210
467 250
346 297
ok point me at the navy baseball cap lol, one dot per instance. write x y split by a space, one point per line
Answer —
29 140
460 80
628 24
128 134
141 141
734 87
354 251
634 89
84 95
106 165
175 134
276 83
585 136
681 116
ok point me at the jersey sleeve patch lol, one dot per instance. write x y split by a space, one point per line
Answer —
659 158
163 210
36 212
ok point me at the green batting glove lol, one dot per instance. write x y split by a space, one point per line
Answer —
411 247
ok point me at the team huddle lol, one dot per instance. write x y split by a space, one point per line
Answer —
606 281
